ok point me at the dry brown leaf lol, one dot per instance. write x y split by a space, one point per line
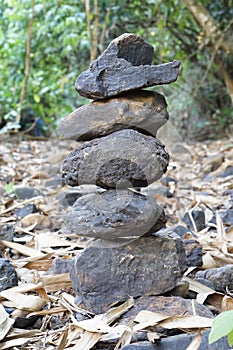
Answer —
5 322
186 322
63 341
208 262
89 339
153 337
149 317
52 283
22 249
41 221
125 338
221 233
52 311
26 287
50 239
11 344
95 325
23 302
227 303
39 175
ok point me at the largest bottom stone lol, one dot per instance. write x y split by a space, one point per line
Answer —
148 266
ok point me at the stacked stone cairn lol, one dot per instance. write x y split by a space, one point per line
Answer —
117 150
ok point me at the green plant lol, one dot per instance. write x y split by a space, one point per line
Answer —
222 326
10 188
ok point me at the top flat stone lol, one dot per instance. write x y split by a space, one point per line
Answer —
124 66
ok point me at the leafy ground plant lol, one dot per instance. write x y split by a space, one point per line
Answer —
222 326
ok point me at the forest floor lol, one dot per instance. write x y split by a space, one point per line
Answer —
199 177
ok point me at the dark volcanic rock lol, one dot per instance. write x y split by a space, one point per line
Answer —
123 159
26 210
147 266
193 251
27 192
198 217
8 275
180 342
69 197
220 277
116 216
6 232
142 110
124 66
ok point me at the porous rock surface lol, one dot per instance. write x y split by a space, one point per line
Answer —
148 266
141 110
123 159
124 66
116 216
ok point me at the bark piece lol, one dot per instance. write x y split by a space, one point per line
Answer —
140 110
148 266
123 159
124 66
115 216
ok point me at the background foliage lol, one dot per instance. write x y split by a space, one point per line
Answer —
65 34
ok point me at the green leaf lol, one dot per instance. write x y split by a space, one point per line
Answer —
230 338
9 188
36 98
222 326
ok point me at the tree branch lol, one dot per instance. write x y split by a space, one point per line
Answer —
27 63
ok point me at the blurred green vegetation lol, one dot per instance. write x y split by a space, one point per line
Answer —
200 102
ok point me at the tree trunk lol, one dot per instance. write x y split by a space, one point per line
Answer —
215 38
27 63
93 32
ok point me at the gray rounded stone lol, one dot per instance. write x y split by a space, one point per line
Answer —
116 216
123 159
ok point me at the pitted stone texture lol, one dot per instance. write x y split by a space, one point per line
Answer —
141 110
124 66
148 266
123 159
115 216
169 306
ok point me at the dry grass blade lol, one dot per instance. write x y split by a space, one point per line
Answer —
22 249
195 343
221 233
63 342
11 344
89 339
125 338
